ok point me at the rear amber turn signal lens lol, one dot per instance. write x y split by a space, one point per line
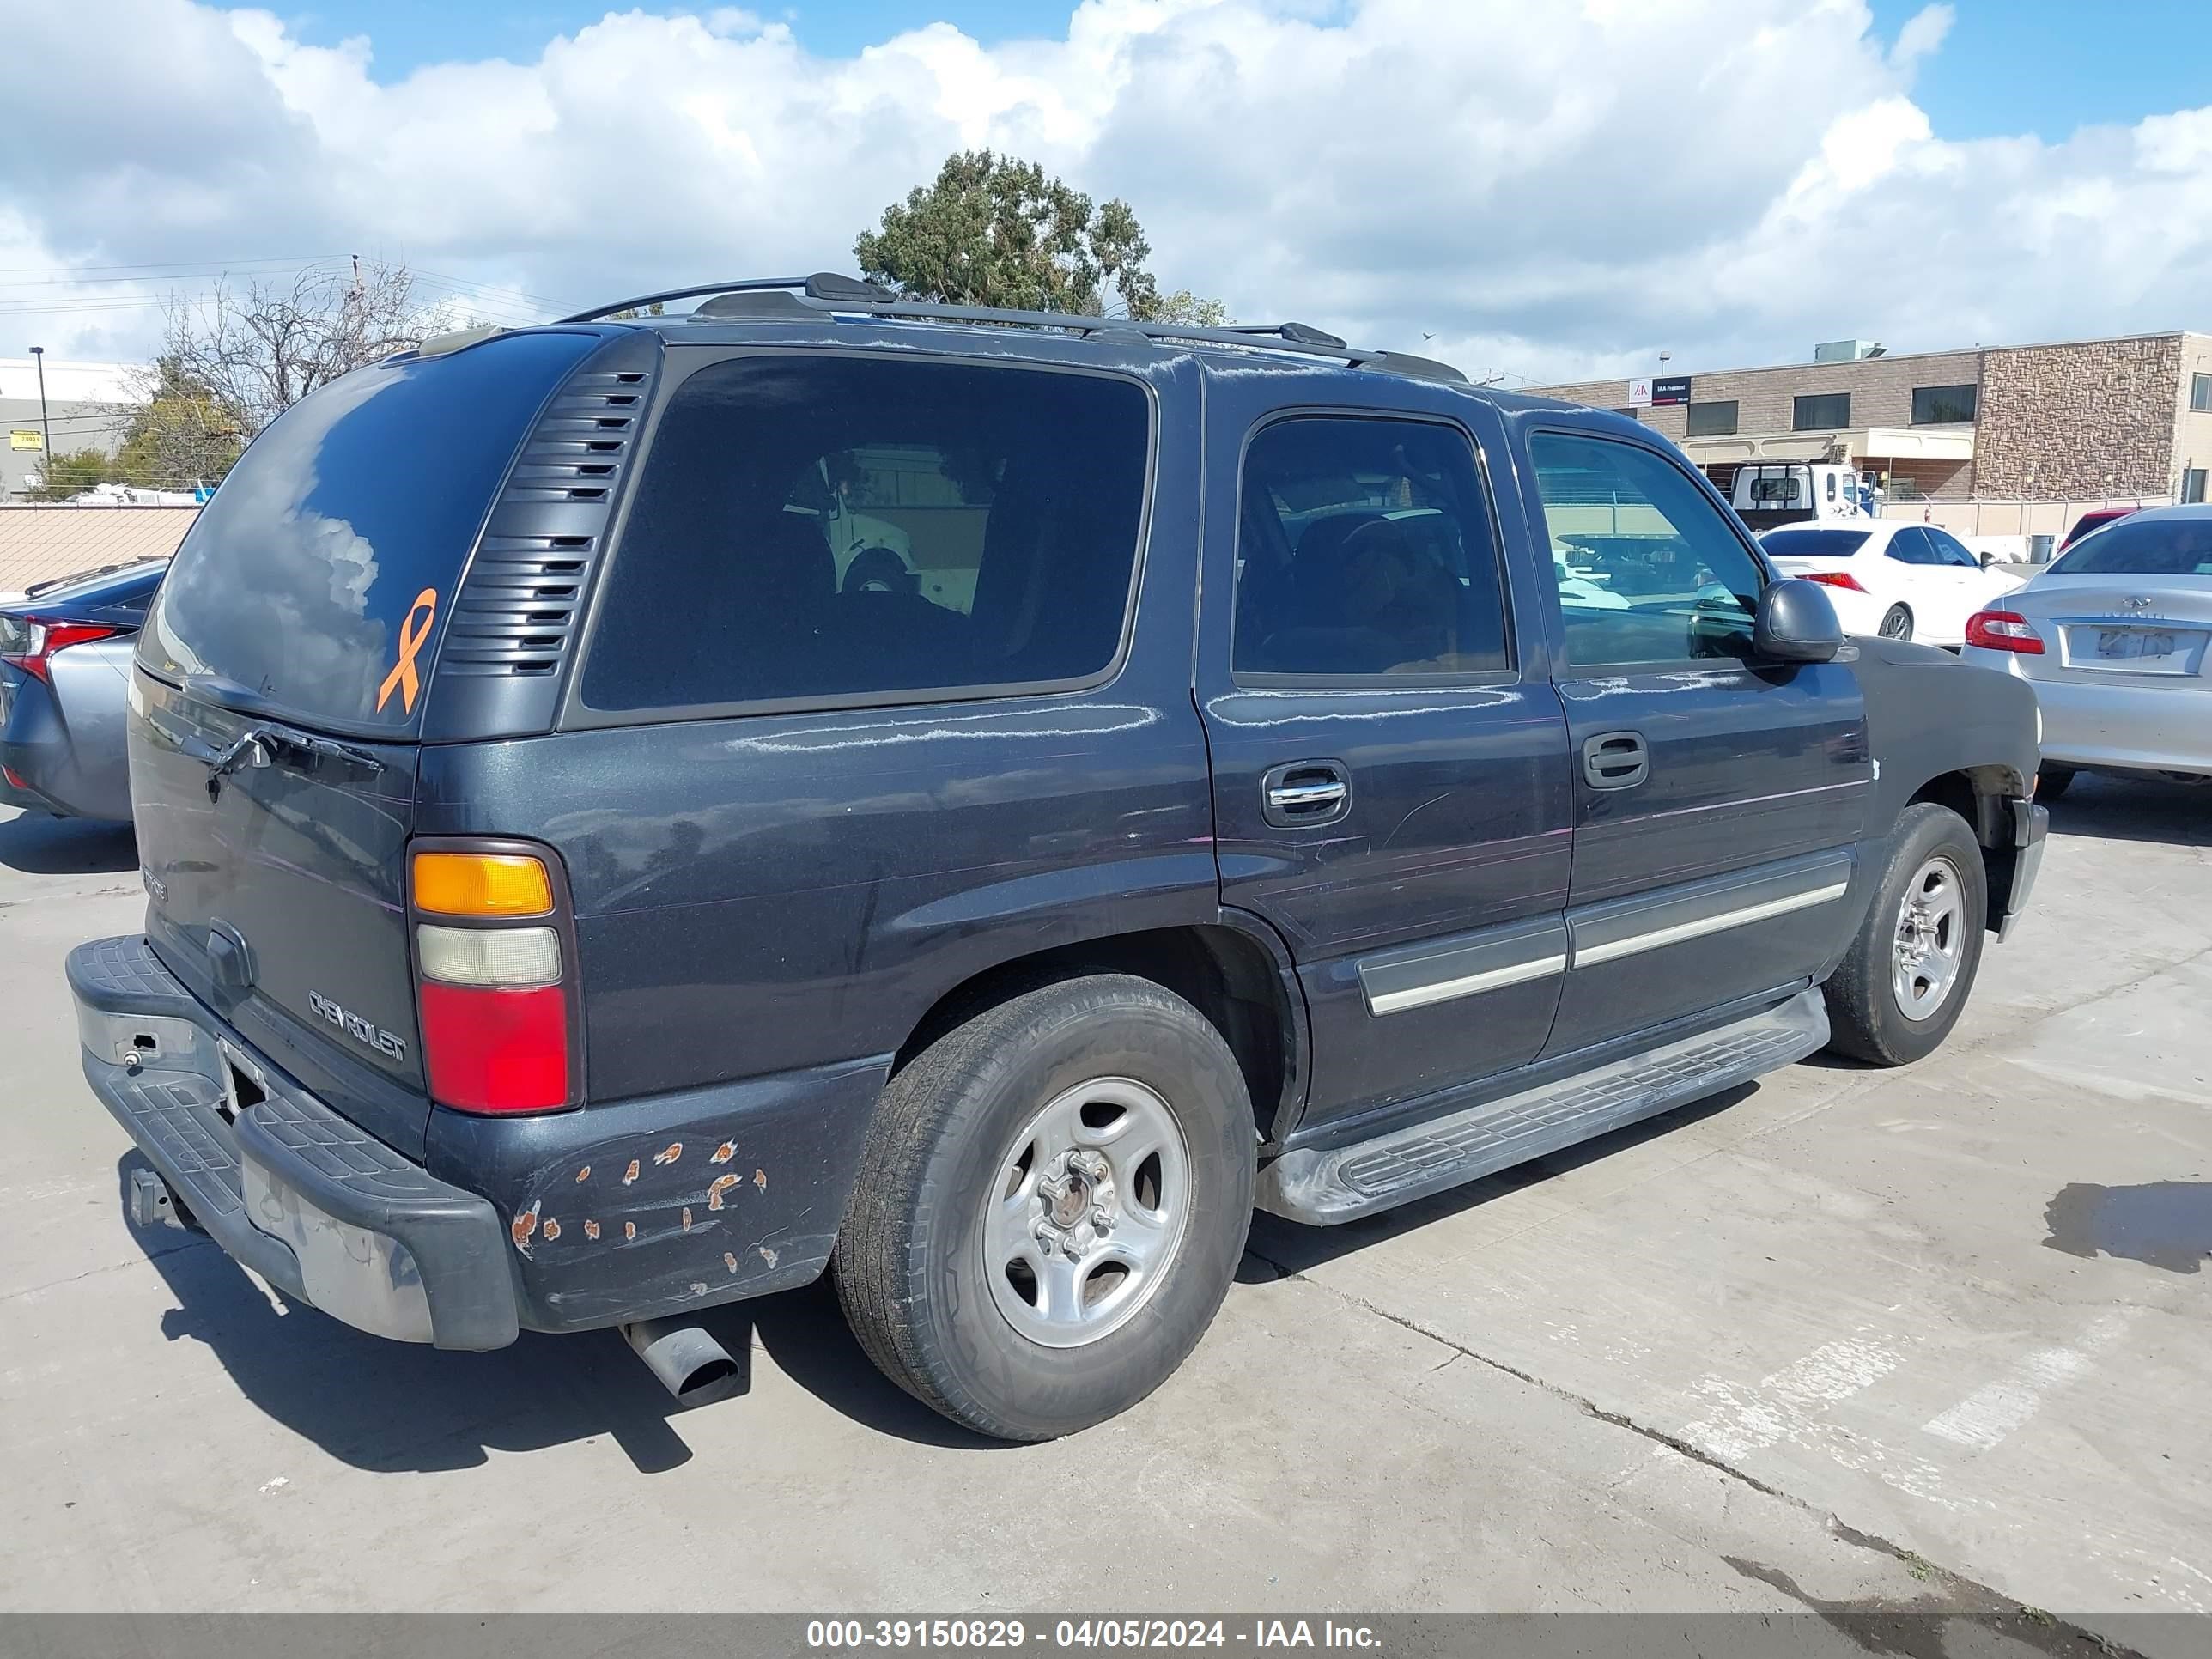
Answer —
482 885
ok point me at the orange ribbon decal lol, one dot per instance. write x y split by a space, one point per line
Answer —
412 636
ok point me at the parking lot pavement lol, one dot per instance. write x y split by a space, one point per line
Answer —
1846 1340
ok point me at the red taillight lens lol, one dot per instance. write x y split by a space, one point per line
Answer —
37 640
496 1050
2003 630
1834 579
497 991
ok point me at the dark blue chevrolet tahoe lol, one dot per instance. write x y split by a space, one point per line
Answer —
639 813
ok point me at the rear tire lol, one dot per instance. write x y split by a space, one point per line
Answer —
1904 982
972 1265
2052 781
1896 624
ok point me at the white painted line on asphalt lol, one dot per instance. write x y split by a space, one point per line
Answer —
1992 1411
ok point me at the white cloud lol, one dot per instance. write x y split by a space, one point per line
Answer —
1551 190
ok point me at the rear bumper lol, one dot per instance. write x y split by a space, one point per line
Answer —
37 744
2133 724
627 1210
312 1203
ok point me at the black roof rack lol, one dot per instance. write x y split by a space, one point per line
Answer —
825 291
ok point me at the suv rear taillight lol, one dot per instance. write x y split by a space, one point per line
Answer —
27 642
2003 630
496 980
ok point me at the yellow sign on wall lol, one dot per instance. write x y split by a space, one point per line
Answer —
20 438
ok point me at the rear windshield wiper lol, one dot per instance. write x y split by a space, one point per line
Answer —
260 744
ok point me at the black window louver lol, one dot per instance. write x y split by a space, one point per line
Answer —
520 604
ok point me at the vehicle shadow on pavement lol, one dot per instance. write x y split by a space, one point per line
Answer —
40 845
2130 809
1278 1247
393 1407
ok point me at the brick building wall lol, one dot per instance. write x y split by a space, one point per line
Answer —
2096 418
1880 390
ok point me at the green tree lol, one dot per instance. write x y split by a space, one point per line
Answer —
71 473
993 230
179 436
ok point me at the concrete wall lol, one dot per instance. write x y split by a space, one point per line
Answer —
2091 419
1881 390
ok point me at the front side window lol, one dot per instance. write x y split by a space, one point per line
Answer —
828 527
1650 570
1943 405
1713 420
1951 550
1365 548
1825 411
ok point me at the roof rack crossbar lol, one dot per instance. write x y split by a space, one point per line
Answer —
1297 337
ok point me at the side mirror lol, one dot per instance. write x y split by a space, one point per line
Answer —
1988 559
1796 623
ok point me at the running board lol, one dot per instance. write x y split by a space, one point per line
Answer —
1326 1187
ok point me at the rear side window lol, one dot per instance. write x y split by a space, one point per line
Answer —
2143 547
317 580
1364 548
828 528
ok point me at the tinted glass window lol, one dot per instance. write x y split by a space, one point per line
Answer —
1650 569
1814 543
1822 412
1943 405
833 528
2193 486
2137 546
126 588
344 526
1950 550
1713 420
1364 547
1912 547
2200 391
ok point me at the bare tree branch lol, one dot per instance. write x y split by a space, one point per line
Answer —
260 350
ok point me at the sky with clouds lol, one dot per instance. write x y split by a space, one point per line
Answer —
1547 189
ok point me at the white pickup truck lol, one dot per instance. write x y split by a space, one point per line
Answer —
1765 494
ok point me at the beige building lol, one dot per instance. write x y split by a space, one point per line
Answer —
2081 421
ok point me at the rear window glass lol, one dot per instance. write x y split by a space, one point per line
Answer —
820 527
120 587
324 566
2137 546
1814 543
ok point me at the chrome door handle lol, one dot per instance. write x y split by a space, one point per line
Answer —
1305 792
1295 797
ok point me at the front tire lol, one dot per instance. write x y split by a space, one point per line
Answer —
1904 982
1050 1207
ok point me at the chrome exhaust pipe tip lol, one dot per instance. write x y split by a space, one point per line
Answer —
695 1368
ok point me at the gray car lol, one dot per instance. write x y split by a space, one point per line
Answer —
2114 637
64 666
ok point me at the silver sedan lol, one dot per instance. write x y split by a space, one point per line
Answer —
2114 638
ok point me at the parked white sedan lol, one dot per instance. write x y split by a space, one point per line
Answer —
1889 576
2115 637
